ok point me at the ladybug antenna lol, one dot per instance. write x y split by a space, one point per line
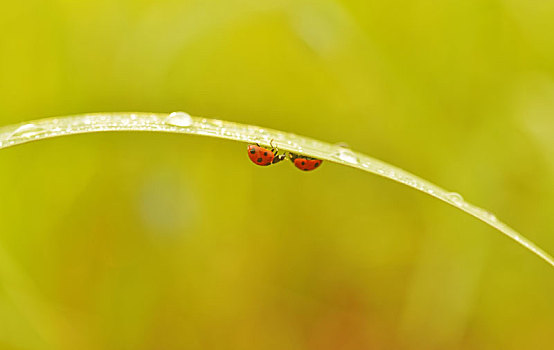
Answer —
274 149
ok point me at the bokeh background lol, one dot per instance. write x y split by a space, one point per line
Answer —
157 241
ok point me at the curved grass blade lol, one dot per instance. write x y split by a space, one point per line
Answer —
179 122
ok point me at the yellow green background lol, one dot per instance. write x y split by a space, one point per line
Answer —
157 241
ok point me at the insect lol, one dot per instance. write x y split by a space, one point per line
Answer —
262 156
303 162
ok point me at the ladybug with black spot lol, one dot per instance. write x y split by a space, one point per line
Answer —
264 157
304 163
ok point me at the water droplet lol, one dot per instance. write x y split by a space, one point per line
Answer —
347 156
27 130
181 119
455 197
487 215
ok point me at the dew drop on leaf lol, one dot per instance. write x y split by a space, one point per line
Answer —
27 131
348 156
455 197
181 119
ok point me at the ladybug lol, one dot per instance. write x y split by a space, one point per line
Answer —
304 163
262 156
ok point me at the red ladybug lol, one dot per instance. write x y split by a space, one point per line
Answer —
304 163
263 156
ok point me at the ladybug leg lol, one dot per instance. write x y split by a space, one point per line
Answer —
277 158
275 151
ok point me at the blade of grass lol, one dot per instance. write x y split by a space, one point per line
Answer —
180 122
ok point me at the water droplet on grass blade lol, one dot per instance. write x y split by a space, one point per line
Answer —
348 156
27 131
455 197
181 119
486 214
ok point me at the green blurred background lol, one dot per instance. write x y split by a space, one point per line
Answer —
157 241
